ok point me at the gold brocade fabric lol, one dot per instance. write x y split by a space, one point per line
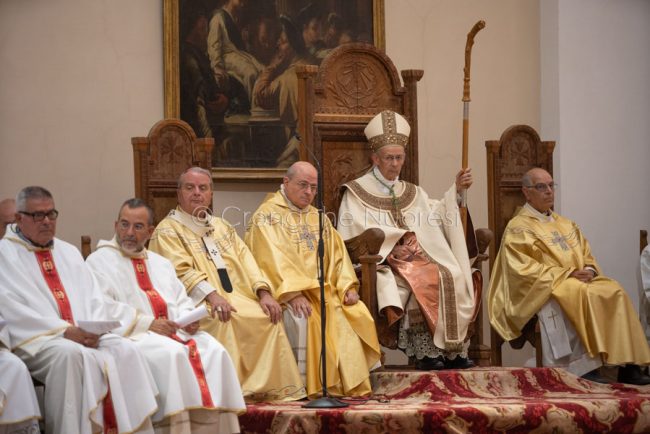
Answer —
534 263
259 349
284 241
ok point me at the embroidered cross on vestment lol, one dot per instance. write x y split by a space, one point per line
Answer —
559 239
308 237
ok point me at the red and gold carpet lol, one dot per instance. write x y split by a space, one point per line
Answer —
480 400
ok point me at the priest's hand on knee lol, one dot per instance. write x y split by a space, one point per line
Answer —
301 306
163 327
270 307
351 297
220 307
82 337
191 328
585 275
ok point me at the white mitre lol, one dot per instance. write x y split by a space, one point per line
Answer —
387 128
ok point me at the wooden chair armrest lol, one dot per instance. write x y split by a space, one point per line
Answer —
484 238
367 243
363 250
85 246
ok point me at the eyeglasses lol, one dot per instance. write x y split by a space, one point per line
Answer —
304 185
39 216
391 158
541 187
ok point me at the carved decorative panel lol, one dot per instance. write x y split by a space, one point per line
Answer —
336 101
169 149
518 150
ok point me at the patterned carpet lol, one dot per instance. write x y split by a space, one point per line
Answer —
480 400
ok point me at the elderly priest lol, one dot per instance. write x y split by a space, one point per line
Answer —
427 292
283 235
192 370
93 381
545 268
217 268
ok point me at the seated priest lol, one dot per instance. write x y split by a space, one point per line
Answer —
283 235
644 297
198 383
53 307
545 268
19 412
216 268
426 292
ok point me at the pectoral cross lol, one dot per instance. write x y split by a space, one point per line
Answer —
308 237
552 316
559 239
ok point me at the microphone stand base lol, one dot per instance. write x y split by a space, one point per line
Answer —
325 402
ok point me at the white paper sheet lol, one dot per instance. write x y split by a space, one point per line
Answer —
98 327
192 316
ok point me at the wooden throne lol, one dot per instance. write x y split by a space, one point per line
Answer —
518 150
158 159
335 103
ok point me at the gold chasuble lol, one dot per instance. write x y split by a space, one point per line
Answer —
284 240
534 263
258 348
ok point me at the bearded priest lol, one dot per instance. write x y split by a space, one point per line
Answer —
198 383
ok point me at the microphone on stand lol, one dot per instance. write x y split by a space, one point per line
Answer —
325 401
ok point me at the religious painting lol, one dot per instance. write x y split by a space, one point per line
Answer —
230 71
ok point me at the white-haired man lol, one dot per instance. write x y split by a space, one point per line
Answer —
217 269
545 268
427 291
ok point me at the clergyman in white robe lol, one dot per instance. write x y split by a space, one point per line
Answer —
19 411
213 397
76 377
644 297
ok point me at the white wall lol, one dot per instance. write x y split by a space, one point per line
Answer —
596 105
79 79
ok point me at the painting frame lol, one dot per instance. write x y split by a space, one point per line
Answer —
172 90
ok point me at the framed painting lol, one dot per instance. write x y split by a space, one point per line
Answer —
229 70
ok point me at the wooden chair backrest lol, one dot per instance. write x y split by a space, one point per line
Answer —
336 101
643 239
158 159
508 159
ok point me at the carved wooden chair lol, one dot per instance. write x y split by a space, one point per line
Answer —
169 149
335 103
643 238
508 158
158 160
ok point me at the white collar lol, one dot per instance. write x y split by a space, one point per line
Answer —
383 179
291 205
542 217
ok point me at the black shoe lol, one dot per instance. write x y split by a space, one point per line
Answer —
595 377
429 364
459 363
632 374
